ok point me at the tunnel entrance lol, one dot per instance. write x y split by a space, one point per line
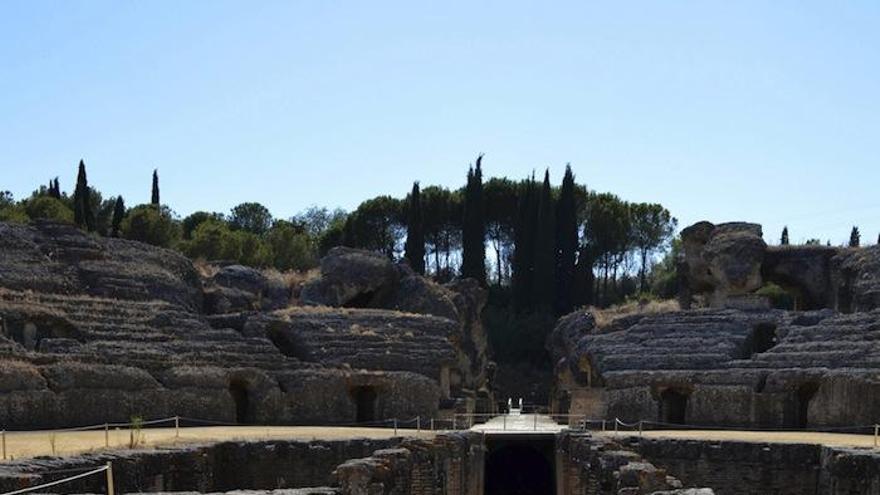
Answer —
673 406
760 340
238 389
365 403
520 465
805 394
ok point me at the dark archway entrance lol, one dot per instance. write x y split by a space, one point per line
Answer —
673 406
520 466
238 389
805 394
365 403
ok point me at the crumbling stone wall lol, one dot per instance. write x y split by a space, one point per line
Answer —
743 468
588 465
449 464
95 330
737 468
722 367
216 467
728 262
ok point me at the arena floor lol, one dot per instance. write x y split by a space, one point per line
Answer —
23 444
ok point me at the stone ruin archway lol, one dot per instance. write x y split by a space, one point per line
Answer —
366 401
673 406
242 397
805 394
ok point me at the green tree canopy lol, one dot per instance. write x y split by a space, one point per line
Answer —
150 224
49 208
251 217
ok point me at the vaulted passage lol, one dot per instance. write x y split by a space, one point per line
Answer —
519 466
673 407
762 339
239 391
805 394
365 402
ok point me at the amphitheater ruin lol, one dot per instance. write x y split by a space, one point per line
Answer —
379 381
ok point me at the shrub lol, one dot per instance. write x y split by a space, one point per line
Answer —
46 207
151 224
779 298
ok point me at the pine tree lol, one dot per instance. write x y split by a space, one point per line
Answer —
414 250
155 196
118 215
524 246
855 237
82 206
566 243
545 250
473 256
784 240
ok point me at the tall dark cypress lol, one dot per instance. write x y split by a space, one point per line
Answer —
543 291
56 189
566 243
784 239
473 256
855 238
118 215
154 199
82 206
414 250
524 246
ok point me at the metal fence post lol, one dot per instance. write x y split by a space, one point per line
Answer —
640 428
4 444
106 434
616 421
176 426
418 423
432 424
876 434
395 427
504 421
535 422
110 489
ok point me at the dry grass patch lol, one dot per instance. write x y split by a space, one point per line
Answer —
606 316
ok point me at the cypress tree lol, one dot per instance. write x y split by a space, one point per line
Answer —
855 237
118 215
524 246
784 240
154 199
566 243
82 206
415 232
545 250
473 256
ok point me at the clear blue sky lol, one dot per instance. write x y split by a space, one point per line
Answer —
760 111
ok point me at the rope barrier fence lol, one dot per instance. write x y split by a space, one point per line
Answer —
138 427
108 469
458 421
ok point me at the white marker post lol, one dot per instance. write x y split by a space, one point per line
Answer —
110 489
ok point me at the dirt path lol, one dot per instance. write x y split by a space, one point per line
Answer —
20 444
829 439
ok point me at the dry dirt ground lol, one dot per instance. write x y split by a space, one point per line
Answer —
21 444
829 439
